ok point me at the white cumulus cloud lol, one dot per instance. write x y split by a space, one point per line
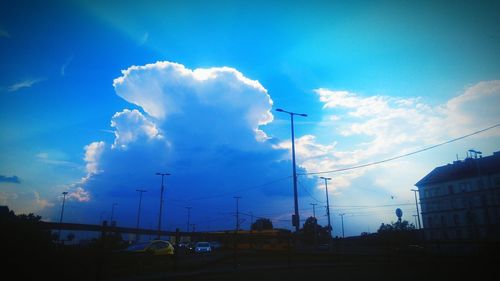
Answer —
204 126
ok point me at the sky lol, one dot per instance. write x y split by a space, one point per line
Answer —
96 97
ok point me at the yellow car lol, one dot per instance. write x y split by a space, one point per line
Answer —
153 247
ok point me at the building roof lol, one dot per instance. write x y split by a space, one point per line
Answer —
463 169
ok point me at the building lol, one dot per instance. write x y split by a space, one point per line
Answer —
461 201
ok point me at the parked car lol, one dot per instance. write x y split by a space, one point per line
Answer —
153 247
202 247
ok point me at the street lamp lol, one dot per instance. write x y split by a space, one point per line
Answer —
416 205
315 222
342 217
295 218
62 212
141 191
188 218
112 213
328 205
161 202
237 212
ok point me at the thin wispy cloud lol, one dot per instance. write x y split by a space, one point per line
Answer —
144 38
65 65
24 84
45 158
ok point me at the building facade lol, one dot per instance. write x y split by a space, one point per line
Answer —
461 201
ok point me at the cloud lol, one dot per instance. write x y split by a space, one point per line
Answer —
93 152
203 126
79 194
24 84
47 158
26 201
164 88
12 179
41 203
131 126
389 127
399 124
65 65
144 38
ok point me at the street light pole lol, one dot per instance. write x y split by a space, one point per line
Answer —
295 218
416 205
189 215
62 212
328 205
314 209
141 191
315 222
237 212
161 202
342 218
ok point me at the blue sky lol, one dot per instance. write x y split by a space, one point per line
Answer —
377 79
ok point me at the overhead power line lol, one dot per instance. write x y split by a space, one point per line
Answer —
400 156
231 193
309 193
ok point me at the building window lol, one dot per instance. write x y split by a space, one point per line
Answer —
480 184
443 221
465 186
456 219
484 202
450 189
430 222
497 181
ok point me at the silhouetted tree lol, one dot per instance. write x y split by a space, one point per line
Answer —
25 243
262 224
307 232
397 234
395 226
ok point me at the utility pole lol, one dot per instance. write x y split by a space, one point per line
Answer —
141 191
62 212
237 212
416 205
161 202
189 216
415 217
314 209
315 222
295 217
328 206
342 218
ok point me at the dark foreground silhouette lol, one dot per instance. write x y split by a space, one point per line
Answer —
33 253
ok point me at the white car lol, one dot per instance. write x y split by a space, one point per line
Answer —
202 247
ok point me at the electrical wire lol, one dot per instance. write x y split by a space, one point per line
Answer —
400 156
307 191
230 193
